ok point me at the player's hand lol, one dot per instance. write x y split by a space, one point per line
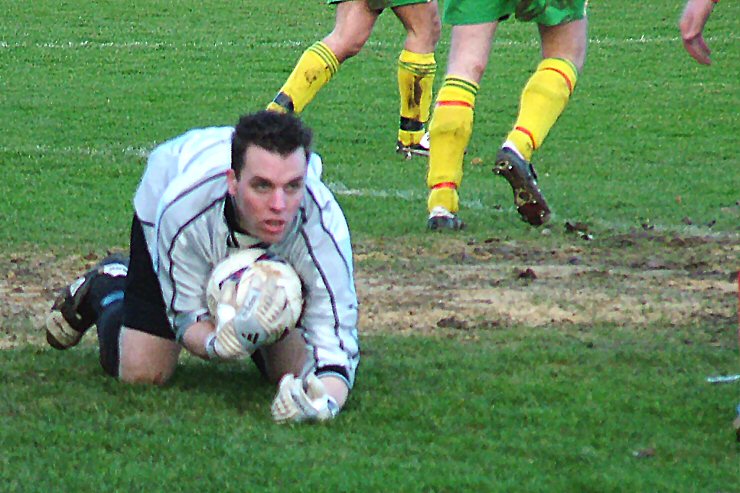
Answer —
692 23
299 400
239 327
698 49
254 321
223 343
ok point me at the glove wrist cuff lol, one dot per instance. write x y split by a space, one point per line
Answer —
210 346
332 406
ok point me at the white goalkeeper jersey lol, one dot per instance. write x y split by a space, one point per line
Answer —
188 219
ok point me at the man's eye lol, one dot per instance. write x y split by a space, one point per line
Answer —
262 187
293 187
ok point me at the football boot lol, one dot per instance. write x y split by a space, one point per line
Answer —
68 321
528 199
442 219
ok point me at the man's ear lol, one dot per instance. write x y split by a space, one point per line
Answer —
231 181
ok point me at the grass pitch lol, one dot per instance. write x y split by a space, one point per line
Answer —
464 385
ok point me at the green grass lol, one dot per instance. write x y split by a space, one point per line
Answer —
510 410
92 87
649 139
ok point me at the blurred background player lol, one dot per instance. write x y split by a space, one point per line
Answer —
353 25
205 194
563 42
694 18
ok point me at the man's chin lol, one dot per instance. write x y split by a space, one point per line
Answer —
272 236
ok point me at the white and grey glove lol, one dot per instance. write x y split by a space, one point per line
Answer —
257 322
241 317
299 400
223 343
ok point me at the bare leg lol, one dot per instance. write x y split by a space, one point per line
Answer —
353 25
543 100
452 122
146 358
470 47
568 41
417 68
422 24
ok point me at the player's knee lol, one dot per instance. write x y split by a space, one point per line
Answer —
145 376
430 32
424 38
145 358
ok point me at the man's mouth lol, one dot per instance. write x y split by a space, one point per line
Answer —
274 226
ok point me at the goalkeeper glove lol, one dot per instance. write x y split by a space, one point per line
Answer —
240 329
298 400
223 343
259 319
249 318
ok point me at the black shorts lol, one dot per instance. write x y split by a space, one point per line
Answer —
143 307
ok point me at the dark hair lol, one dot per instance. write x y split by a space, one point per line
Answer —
281 133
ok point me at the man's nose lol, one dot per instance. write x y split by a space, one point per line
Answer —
277 200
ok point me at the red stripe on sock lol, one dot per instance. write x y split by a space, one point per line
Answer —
445 184
565 76
454 103
528 134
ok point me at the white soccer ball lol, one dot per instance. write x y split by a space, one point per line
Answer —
228 273
247 273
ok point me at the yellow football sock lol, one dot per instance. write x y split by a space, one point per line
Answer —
543 100
415 82
314 69
449 134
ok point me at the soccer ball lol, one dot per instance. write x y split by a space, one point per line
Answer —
252 276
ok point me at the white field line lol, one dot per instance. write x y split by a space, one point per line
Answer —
417 196
138 152
338 188
155 45
420 196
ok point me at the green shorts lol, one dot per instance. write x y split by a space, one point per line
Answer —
545 12
384 4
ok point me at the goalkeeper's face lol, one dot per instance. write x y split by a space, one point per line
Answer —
268 192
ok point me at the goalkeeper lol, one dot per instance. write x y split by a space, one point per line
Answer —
205 195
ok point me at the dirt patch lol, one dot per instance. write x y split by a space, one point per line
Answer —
635 280
448 284
29 283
